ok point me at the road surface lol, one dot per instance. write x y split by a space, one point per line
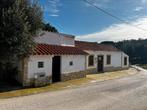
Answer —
129 93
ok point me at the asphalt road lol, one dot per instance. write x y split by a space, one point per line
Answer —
129 93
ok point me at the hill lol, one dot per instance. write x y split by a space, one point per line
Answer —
136 49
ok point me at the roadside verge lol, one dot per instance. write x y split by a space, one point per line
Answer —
70 84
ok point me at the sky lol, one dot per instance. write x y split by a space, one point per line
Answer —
78 18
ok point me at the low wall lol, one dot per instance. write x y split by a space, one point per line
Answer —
110 69
106 69
65 77
74 75
38 82
48 79
91 71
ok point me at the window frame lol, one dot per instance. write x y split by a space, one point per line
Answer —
108 60
40 64
71 63
90 63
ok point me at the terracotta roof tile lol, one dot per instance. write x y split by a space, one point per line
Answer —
94 46
46 49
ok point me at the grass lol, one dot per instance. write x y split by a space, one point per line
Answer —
52 87
112 75
69 84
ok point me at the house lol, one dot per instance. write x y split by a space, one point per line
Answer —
102 58
58 57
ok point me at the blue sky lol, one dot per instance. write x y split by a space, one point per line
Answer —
87 23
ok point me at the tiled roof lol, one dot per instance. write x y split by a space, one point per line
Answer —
46 49
94 46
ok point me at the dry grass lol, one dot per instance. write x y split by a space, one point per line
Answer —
52 87
69 84
143 66
112 75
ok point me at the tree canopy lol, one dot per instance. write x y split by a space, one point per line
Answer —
19 22
108 43
136 49
48 27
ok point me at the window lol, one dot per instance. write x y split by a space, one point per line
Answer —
108 59
40 64
70 63
91 60
125 60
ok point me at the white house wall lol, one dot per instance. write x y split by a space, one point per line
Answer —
125 55
67 41
49 38
78 63
115 59
55 39
33 65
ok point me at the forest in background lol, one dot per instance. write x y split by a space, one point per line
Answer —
136 49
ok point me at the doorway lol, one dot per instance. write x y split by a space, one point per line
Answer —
100 63
56 69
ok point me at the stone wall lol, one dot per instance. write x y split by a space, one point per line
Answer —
91 71
42 81
106 69
48 80
110 69
74 75
38 81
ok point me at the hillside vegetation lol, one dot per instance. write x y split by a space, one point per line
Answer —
136 49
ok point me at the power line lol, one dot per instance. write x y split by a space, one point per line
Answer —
115 17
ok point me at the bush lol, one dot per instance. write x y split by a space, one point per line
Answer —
8 71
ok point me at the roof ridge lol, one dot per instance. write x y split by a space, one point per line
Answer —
55 45
64 34
86 42
47 49
95 46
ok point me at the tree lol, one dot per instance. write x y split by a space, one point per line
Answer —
49 28
136 49
108 43
19 22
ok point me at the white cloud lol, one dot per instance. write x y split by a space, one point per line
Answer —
52 7
138 8
54 15
119 32
143 1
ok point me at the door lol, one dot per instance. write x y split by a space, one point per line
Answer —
100 63
56 69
